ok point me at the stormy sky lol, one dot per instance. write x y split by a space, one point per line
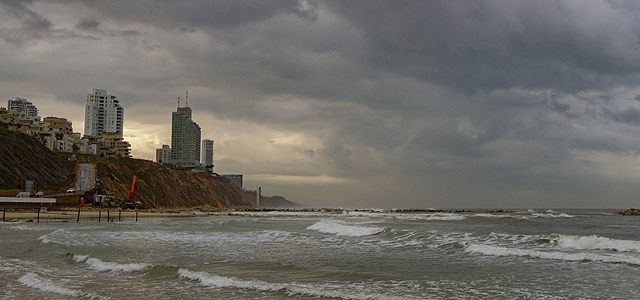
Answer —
387 104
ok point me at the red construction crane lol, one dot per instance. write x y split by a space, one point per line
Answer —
129 203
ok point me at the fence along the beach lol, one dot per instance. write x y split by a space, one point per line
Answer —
78 216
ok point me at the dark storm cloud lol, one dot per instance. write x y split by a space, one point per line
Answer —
92 26
490 45
523 96
220 14
629 116
88 24
32 26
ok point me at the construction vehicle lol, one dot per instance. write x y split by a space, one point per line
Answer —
129 202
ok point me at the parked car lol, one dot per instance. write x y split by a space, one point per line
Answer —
39 194
71 191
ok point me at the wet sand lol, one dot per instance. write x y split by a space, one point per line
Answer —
90 215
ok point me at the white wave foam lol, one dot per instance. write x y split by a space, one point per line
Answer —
34 281
554 215
45 239
546 214
216 281
488 215
596 242
278 213
328 226
431 216
103 266
554 255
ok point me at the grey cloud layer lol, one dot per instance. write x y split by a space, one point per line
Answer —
532 99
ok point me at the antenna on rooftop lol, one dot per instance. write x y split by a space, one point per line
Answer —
178 101
187 98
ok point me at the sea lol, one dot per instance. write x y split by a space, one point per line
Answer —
327 254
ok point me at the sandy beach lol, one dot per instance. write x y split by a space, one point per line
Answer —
91 215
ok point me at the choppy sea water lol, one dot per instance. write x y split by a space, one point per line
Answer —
327 255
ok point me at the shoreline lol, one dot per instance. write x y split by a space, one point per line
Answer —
116 214
92 215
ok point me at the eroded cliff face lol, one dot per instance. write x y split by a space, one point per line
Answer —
165 188
23 157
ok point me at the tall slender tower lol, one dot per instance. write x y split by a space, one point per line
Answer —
103 113
207 152
185 139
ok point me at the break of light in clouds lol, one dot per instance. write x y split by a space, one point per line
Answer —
418 104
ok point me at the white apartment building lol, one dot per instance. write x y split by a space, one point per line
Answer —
20 104
163 155
103 113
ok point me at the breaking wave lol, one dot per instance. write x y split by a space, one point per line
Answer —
555 247
34 281
337 228
554 255
597 243
430 216
104 266
215 281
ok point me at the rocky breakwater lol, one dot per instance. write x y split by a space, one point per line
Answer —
630 212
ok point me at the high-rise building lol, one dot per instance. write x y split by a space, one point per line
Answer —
103 113
207 152
163 155
20 104
185 139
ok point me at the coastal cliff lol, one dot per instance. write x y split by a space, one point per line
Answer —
23 157
156 187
